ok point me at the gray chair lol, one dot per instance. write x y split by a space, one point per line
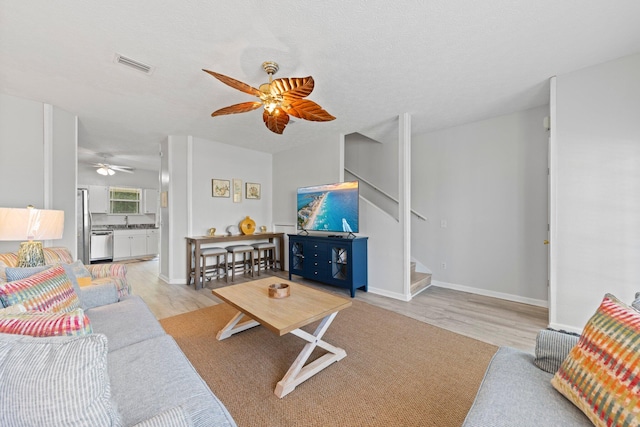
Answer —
218 268
266 255
246 263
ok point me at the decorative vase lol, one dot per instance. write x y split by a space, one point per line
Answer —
247 226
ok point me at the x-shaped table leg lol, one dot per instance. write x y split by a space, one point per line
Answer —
298 372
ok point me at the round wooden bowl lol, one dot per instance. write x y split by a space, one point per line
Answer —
279 290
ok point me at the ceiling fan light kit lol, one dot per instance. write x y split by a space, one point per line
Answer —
107 169
104 170
280 98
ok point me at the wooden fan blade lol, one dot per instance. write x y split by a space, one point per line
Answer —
237 108
276 121
236 84
293 87
307 110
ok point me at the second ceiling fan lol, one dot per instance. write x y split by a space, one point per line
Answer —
280 99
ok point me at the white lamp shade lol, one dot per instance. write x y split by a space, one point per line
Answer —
31 224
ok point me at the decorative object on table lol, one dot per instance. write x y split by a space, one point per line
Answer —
253 190
247 226
220 187
233 230
212 231
30 224
263 228
280 98
279 290
237 190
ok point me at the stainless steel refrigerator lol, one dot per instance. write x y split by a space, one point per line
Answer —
84 226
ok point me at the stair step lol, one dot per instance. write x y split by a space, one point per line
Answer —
419 281
413 267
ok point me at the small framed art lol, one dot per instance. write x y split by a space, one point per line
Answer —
237 190
252 190
220 188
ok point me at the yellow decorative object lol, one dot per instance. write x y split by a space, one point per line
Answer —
247 226
212 231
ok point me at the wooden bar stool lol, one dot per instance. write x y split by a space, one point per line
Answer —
267 249
247 264
219 256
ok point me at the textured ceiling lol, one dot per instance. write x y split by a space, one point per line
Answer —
444 62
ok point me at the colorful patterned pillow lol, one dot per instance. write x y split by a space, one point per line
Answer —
43 324
600 375
49 290
19 273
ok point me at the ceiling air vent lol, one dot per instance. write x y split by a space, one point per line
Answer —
132 63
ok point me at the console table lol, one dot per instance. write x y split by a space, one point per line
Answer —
335 261
194 248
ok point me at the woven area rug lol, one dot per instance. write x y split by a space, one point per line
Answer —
398 371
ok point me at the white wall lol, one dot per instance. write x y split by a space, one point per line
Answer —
488 181
222 161
596 192
37 161
191 164
300 167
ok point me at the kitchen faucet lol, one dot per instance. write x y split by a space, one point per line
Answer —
126 221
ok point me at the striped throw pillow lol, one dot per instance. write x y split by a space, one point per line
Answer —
49 290
600 375
43 324
19 273
552 347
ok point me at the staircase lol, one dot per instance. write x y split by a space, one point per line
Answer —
419 281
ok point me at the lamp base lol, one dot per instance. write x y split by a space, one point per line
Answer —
30 254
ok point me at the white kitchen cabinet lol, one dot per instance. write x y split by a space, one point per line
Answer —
150 198
152 242
98 199
129 244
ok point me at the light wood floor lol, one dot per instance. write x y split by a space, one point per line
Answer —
491 320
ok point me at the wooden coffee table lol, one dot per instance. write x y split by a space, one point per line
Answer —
286 315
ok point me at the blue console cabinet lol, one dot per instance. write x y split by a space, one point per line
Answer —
335 261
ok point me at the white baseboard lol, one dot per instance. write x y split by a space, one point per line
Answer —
388 294
493 294
165 279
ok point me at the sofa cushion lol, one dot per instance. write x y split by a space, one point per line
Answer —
49 290
600 375
126 322
552 347
174 417
514 392
44 324
158 377
64 378
19 273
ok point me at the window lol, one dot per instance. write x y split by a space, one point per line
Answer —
124 200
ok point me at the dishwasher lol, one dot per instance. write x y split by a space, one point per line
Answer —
101 245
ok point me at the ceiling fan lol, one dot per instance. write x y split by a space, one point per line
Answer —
107 169
280 99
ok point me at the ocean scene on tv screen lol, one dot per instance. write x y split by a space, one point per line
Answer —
331 207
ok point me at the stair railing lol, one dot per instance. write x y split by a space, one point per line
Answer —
384 193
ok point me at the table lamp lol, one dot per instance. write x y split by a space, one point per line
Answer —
30 224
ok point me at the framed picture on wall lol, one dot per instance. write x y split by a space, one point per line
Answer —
252 190
220 187
237 190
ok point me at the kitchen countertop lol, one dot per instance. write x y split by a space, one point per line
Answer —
124 227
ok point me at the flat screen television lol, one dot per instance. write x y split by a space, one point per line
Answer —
329 207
